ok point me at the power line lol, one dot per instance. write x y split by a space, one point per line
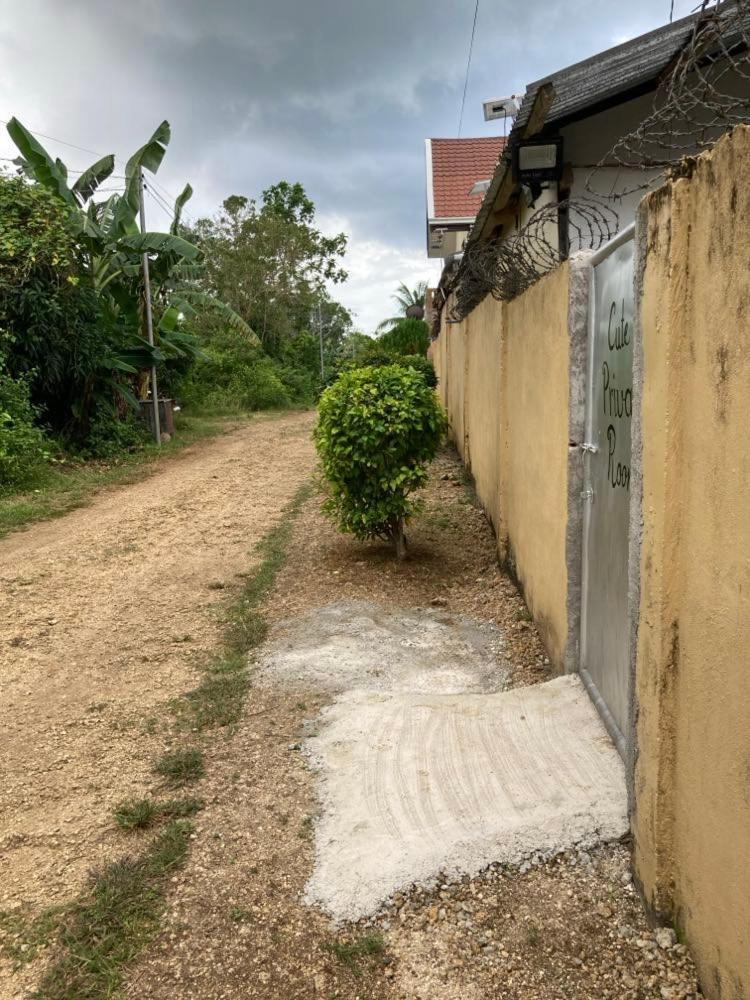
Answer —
159 202
83 149
62 142
468 67
166 194
70 170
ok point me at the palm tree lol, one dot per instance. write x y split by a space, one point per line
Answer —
411 304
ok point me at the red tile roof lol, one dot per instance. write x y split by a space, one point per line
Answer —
457 164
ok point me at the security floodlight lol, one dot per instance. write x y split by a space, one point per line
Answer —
537 160
501 107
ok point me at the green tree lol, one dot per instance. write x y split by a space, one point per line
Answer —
410 302
270 262
408 336
106 246
378 428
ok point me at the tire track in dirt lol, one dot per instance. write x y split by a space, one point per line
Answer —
103 615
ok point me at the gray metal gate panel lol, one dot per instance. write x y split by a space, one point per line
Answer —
605 659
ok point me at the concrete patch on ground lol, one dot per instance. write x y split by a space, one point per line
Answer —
359 644
414 784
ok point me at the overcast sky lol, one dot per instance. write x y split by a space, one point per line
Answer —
338 95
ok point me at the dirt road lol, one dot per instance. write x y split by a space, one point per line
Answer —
103 615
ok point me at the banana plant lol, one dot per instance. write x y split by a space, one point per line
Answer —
113 245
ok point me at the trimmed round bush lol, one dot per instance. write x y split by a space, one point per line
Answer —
378 429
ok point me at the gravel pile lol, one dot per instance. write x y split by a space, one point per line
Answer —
565 927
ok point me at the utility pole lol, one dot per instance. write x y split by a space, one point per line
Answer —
320 337
149 316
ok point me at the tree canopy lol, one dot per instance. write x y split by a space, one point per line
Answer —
268 260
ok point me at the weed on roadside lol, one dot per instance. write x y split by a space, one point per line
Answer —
73 483
180 767
108 927
350 953
137 814
218 700
22 937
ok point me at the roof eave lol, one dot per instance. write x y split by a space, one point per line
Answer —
542 103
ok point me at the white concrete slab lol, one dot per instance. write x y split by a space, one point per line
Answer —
414 784
360 644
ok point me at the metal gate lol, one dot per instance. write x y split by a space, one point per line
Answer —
605 647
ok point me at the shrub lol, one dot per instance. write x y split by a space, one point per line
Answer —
235 375
378 428
111 433
422 365
408 336
376 357
23 453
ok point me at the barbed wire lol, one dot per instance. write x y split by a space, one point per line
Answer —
705 94
506 267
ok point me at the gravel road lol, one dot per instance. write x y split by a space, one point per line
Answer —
103 615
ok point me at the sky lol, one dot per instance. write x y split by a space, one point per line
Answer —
337 95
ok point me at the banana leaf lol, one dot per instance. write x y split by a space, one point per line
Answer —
148 157
185 195
161 243
187 299
39 164
90 179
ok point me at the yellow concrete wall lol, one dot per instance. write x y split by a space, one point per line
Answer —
504 381
482 403
455 382
534 450
692 817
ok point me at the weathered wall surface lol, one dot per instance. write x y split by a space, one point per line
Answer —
534 450
692 787
483 395
505 376
455 384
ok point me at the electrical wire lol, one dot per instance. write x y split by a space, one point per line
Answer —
71 170
62 142
172 199
160 203
157 187
468 67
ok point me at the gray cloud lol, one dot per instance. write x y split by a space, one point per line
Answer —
337 95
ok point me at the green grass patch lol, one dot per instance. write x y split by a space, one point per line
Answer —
22 937
71 484
108 927
138 814
219 698
135 814
181 767
351 953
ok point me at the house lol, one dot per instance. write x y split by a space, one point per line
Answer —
456 170
567 138
596 409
